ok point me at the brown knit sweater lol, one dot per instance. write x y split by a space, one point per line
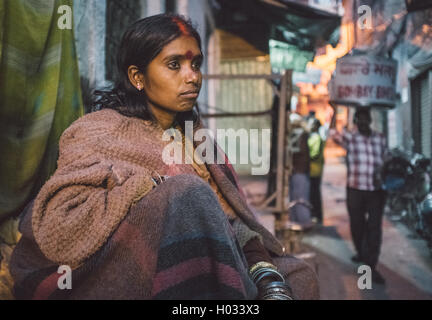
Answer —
105 165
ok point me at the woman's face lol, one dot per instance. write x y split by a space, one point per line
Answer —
173 79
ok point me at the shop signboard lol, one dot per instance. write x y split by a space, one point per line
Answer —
284 56
364 81
311 75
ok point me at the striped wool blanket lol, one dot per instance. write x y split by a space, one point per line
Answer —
189 252
175 243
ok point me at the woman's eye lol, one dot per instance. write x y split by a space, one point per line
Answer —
174 65
197 64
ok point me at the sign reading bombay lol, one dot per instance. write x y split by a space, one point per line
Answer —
365 81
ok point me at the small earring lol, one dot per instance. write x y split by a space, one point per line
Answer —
139 86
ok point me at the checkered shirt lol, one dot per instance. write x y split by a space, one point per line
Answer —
365 156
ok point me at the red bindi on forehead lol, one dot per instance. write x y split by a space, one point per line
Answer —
189 55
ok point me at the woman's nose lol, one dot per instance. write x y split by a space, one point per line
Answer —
192 75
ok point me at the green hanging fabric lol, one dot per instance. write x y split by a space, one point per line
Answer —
40 95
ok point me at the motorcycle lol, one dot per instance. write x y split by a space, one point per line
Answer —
406 178
426 214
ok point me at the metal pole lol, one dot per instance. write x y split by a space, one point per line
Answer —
281 142
288 152
240 76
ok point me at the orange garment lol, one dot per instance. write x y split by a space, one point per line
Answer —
202 171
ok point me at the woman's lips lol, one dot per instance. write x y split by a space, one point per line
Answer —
190 94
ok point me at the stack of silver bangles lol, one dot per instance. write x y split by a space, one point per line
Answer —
276 291
273 290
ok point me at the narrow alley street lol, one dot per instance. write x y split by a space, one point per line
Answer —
404 261
123 124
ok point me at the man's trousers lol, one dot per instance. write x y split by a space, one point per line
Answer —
366 210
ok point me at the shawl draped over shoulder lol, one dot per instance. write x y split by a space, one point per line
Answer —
105 166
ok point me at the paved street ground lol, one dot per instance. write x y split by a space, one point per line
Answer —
405 262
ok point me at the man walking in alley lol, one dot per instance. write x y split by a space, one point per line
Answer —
366 150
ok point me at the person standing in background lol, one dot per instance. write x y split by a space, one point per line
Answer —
316 153
299 180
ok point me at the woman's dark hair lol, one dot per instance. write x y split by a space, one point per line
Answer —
141 43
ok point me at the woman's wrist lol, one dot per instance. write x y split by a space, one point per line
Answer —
270 283
255 252
261 264
275 290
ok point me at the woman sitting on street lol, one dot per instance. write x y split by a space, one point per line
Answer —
130 226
